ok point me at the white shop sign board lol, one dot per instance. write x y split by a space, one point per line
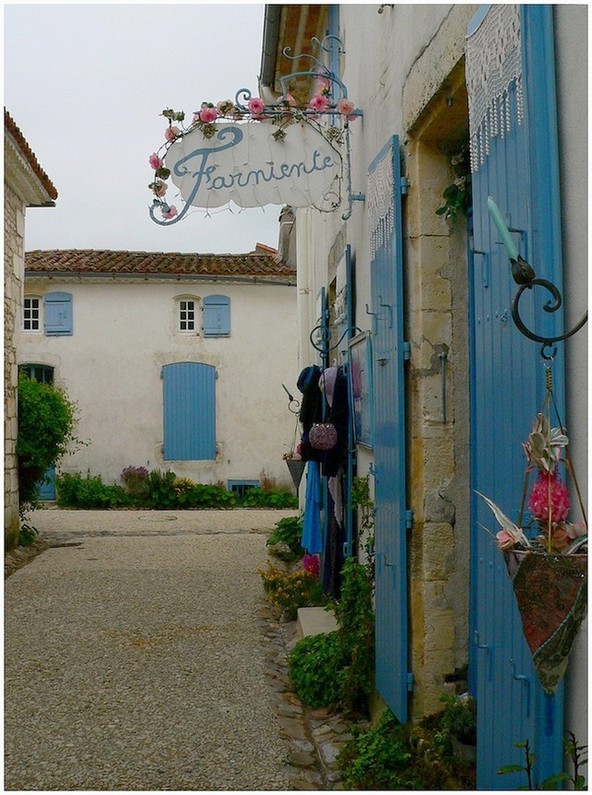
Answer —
245 164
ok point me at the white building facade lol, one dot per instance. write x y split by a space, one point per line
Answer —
174 361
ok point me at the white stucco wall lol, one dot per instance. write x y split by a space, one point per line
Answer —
572 96
388 76
124 332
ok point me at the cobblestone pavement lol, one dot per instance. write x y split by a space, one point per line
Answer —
141 655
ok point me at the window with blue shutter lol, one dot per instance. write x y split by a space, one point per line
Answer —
57 312
216 316
515 161
384 201
189 400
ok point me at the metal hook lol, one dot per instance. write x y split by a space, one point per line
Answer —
526 680
527 280
292 400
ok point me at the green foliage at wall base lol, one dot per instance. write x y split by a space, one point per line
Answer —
314 666
156 490
390 756
347 653
46 419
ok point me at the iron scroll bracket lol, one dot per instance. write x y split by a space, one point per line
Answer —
325 336
526 278
319 69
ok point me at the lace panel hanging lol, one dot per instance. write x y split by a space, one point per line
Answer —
380 202
493 64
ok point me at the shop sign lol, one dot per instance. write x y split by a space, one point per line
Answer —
253 165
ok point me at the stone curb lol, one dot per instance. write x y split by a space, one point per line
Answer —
314 737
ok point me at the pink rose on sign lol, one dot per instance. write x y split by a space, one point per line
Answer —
159 188
169 212
345 106
171 133
319 103
256 107
208 115
155 162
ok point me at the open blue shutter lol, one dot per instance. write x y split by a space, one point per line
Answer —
57 313
189 396
518 170
216 316
392 679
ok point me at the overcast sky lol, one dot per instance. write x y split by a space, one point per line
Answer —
86 85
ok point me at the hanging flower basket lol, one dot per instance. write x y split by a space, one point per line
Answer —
550 591
296 467
549 570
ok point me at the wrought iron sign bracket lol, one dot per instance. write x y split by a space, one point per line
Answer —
321 71
204 167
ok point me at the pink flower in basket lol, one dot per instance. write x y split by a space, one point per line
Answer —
547 493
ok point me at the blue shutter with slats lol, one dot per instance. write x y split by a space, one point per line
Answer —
392 677
507 388
57 313
189 397
216 316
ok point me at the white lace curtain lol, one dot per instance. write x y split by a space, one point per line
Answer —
493 66
380 202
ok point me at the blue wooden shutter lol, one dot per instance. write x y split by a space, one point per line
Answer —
392 678
520 171
216 316
57 313
189 396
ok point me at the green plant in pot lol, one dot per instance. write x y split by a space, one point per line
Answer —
459 720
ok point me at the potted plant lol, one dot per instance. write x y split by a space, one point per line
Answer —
459 719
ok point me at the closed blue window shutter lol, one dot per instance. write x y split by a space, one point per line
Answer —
392 671
57 312
189 398
216 316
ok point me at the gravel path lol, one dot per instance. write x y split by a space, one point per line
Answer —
133 656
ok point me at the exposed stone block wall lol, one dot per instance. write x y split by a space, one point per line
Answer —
14 253
436 312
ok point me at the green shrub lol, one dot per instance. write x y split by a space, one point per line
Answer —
391 756
314 664
46 419
160 491
379 758
201 495
273 498
345 657
90 493
286 535
355 619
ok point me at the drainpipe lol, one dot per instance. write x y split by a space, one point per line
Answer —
271 36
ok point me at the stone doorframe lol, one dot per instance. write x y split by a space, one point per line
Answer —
436 293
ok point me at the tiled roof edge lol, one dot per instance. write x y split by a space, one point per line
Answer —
11 127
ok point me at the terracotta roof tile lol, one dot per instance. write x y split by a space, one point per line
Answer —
91 261
10 126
